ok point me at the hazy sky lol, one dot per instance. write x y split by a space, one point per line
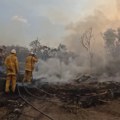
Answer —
22 21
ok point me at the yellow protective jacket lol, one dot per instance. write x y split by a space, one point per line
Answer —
30 62
11 63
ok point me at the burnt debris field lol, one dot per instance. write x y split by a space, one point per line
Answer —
82 99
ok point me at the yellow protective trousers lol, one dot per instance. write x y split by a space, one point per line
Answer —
28 76
10 81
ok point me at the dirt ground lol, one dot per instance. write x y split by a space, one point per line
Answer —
56 104
59 111
109 111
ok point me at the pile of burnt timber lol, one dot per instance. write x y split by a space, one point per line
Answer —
85 94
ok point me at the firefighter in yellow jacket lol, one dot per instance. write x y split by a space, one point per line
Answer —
11 63
29 67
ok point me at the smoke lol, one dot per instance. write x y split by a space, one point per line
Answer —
118 5
56 71
100 20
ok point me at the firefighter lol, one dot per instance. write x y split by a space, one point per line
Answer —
11 63
29 67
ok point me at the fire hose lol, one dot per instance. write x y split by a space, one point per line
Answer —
32 105
38 90
45 92
30 92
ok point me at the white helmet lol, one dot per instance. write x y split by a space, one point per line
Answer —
13 51
32 53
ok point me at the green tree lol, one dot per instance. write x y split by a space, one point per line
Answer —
110 37
36 45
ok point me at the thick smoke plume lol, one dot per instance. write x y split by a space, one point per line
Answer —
55 71
93 61
118 5
99 21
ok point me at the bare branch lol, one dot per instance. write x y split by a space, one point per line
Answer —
86 39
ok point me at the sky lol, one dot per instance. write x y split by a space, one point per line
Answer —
22 21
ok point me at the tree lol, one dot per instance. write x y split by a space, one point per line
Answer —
110 37
62 48
118 34
112 40
62 52
35 45
86 42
